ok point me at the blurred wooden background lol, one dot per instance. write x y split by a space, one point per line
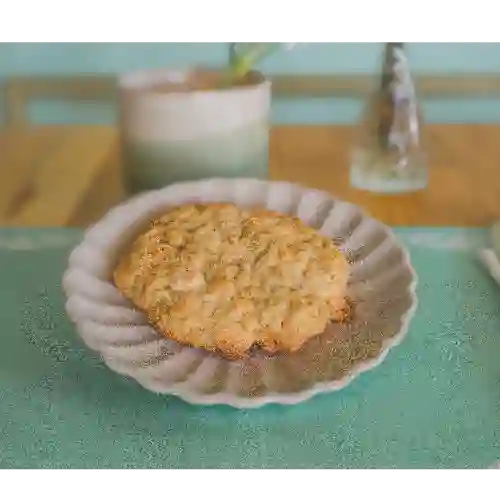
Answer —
313 83
21 91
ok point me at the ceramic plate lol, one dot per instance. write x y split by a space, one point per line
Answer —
381 288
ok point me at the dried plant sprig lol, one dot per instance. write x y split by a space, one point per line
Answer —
396 96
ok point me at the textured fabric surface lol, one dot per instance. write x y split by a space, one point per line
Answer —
434 402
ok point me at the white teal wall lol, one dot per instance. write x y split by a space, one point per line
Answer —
64 58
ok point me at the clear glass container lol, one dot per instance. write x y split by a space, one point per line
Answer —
388 155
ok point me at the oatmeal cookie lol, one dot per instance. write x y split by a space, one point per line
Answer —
227 279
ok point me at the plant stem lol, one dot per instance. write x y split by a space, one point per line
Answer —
240 65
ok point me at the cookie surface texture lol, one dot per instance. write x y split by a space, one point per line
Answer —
228 279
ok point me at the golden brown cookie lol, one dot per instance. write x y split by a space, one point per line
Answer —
227 279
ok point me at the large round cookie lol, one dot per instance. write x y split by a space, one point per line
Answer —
228 279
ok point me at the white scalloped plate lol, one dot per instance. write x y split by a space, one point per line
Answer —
382 288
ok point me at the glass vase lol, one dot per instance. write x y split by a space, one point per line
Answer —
388 155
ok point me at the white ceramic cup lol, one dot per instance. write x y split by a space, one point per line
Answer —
178 125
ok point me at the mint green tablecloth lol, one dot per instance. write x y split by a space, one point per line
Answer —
434 402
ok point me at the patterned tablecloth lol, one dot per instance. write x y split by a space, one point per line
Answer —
434 402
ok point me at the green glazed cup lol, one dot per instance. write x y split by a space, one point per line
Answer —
189 125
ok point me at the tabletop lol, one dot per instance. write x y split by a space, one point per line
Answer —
433 403
63 176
